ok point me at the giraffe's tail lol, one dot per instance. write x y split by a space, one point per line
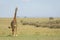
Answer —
9 27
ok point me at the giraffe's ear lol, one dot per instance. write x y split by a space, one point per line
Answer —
9 27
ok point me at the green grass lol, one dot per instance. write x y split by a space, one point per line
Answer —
30 37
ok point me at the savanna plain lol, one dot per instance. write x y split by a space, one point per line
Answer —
29 31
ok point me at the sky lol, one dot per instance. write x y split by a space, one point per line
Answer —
30 8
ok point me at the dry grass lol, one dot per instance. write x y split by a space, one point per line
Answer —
28 32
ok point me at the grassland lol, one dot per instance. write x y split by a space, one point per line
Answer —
28 32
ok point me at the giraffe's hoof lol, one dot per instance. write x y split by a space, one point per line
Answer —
15 35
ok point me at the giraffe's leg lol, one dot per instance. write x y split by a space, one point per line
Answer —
15 31
12 32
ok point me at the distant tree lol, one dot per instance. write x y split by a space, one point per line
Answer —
18 17
51 18
50 21
25 17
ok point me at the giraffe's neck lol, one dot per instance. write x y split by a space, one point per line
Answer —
15 14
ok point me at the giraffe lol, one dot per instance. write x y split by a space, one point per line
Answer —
14 24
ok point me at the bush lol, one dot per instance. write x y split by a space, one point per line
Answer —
51 18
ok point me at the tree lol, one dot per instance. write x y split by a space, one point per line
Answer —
51 18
